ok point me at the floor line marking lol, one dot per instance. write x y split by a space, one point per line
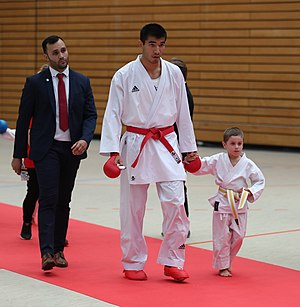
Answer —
252 236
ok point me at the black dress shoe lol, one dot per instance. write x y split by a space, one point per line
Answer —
60 260
47 262
26 231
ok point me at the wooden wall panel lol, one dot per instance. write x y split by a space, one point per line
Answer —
17 53
243 56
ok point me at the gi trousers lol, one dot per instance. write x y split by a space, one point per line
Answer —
227 238
175 223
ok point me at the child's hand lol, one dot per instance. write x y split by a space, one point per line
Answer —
250 195
191 156
240 193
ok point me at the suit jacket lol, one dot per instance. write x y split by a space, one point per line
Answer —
38 103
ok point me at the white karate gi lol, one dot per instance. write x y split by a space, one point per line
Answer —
134 101
227 235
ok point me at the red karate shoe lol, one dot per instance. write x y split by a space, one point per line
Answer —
179 274
135 274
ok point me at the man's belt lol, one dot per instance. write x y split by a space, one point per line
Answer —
156 134
233 196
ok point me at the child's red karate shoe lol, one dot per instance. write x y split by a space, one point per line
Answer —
179 274
135 275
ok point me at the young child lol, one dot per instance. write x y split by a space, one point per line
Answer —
233 171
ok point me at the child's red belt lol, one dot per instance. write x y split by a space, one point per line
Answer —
156 134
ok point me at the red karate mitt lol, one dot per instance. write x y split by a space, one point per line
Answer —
193 166
110 168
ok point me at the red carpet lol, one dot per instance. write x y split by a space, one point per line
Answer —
95 270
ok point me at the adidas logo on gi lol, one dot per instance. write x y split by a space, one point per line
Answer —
135 89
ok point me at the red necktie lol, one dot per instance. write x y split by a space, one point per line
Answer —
62 102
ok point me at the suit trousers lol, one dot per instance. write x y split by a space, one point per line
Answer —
56 174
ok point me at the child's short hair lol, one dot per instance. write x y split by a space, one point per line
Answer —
234 131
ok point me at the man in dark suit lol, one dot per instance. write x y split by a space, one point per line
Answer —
61 104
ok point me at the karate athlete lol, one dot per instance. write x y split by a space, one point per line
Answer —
148 96
232 171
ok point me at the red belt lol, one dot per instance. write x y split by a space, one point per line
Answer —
156 134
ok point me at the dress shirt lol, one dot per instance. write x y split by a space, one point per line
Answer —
59 134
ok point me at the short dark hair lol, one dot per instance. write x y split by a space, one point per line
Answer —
234 131
50 40
181 65
152 29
